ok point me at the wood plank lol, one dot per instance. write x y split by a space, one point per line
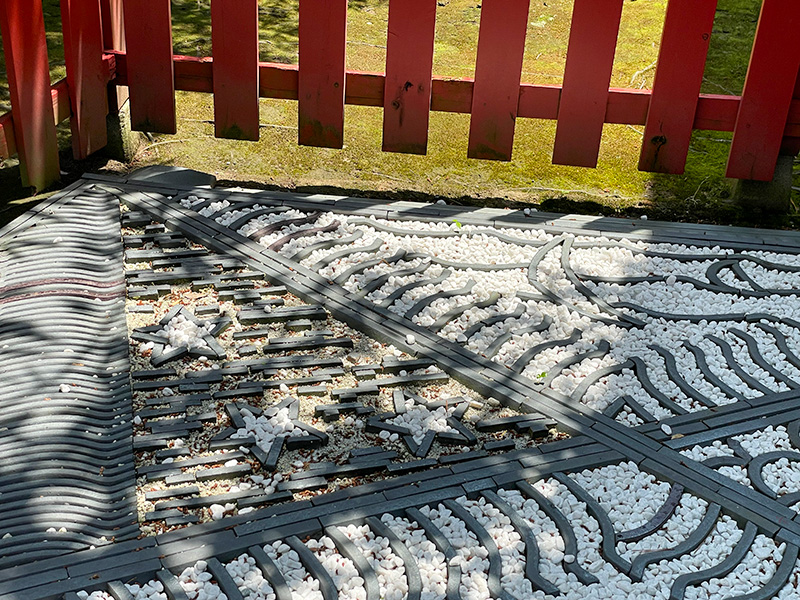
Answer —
150 65
791 136
86 75
321 76
587 75
409 69
28 73
498 69
676 88
234 39
113 15
767 95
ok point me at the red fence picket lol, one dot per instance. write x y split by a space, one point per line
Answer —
234 38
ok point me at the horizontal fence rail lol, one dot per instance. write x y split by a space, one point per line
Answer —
765 119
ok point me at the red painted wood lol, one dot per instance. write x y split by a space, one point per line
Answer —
679 75
321 78
148 39
234 39
114 39
8 146
409 69
791 136
28 72
498 69
86 74
767 93
590 58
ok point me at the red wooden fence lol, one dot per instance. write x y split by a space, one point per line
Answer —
765 119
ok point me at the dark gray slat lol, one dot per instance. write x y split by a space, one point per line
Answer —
373 246
657 520
760 360
564 528
224 579
443 545
757 464
460 310
641 562
379 282
780 340
314 567
422 304
531 545
529 354
368 264
276 246
724 461
674 374
640 368
271 573
172 586
239 222
401 232
501 339
399 292
272 228
713 378
778 580
717 571
748 379
324 245
713 271
488 322
596 376
495 560
692 318
118 590
412 570
613 409
349 550
602 349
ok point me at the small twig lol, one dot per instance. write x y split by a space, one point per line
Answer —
723 88
165 142
634 129
694 196
652 65
387 176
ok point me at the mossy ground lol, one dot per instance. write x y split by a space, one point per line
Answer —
615 187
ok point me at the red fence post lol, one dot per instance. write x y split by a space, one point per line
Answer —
151 82
498 69
28 71
587 75
676 88
409 68
234 39
86 74
321 76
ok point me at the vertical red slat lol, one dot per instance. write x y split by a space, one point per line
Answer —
234 39
587 75
791 144
28 72
86 75
767 93
114 39
409 67
495 94
679 75
151 83
321 77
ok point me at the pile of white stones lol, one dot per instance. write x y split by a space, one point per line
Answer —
197 582
249 578
183 332
267 429
388 567
419 419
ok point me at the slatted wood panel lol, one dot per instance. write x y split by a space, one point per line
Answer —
86 74
114 39
679 75
409 68
234 38
321 77
495 94
148 39
28 73
767 92
587 75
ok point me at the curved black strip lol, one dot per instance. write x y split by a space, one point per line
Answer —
271 573
748 379
462 266
716 381
273 227
276 246
780 341
224 579
501 339
602 349
349 550
325 261
634 280
650 388
531 545
420 306
613 409
657 521
716 462
789 499
314 567
640 563
368 264
677 378
676 317
739 450
758 463
590 380
761 361
412 570
401 232
717 571
713 271
244 219
379 282
324 245
495 560
488 322
778 580
442 545
564 528
398 293
608 545
529 354
460 310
